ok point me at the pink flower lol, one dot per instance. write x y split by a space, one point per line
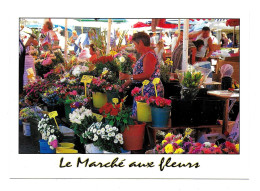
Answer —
74 92
54 143
135 91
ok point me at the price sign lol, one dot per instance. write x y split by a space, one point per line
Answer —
156 81
115 100
145 82
99 117
86 79
188 131
30 73
53 115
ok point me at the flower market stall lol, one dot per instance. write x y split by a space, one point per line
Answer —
73 104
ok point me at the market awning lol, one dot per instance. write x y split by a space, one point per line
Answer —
101 20
141 24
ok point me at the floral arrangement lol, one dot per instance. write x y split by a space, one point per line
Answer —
80 120
159 102
49 131
51 96
136 92
106 137
77 70
125 62
234 86
190 78
114 87
103 60
176 144
98 85
30 113
165 71
51 76
79 101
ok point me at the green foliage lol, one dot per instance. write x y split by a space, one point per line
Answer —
165 73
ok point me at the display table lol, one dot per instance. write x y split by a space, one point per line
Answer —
218 84
226 96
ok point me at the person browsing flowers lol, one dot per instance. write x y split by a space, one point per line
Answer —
146 68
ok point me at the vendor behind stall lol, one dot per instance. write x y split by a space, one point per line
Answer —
146 68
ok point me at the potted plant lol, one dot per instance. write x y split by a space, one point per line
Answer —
133 132
28 115
160 108
143 109
113 91
97 86
50 135
105 138
125 62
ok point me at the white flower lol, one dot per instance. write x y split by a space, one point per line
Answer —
122 59
110 129
52 131
121 142
207 144
103 130
63 80
109 134
88 112
103 136
107 126
115 141
94 130
99 132
108 138
113 134
120 138
114 128
117 136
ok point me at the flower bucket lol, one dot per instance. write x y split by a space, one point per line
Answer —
67 145
26 129
45 148
99 99
64 150
144 113
160 116
125 151
134 137
111 95
90 148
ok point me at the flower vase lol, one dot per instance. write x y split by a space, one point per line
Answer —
189 93
26 129
99 99
90 148
45 148
144 113
160 116
133 137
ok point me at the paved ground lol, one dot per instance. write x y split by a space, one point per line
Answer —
27 145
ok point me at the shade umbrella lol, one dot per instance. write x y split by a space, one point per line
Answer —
233 23
140 24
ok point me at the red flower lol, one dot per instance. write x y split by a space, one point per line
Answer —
114 112
207 151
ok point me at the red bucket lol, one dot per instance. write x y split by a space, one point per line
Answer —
134 137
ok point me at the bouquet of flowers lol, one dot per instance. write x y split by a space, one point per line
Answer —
81 119
159 102
51 76
234 86
98 85
116 116
77 70
106 137
30 113
125 62
114 87
49 131
79 101
51 96
137 93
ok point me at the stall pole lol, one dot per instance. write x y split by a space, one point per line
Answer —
179 27
108 35
66 40
185 45
234 37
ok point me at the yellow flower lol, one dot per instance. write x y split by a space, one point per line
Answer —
237 147
168 135
164 141
233 86
179 151
169 148
179 141
237 85
215 146
112 53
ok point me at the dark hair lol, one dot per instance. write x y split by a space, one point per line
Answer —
49 24
62 32
92 47
206 29
144 37
198 43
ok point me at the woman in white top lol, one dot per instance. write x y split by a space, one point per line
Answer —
159 51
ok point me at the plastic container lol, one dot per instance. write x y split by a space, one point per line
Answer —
67 145
65 150
45 148
134 137
144 113
90 148
99 99
160 116
26 129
